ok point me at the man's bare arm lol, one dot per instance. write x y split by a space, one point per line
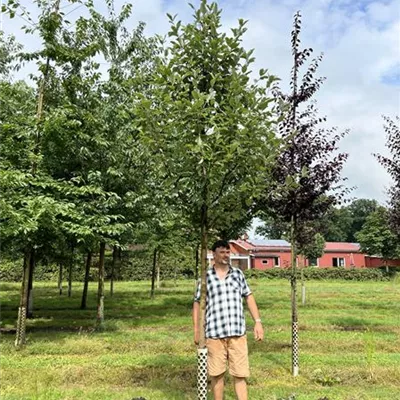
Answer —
258 328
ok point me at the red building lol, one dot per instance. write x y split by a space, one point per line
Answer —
264 254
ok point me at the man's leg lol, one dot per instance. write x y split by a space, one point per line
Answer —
217 386
216 361
240 388
239 365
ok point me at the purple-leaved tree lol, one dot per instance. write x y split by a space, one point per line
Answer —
392 166
307 174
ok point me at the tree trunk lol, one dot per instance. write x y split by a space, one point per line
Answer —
203 272
86 281
119 263
100 291
295 326
202 350
196 271
28 263
175 273
60 278
70 279
29 311
114 263
21 321
153 273
158 272
303 290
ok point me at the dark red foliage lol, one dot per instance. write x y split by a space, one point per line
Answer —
392 165
309 153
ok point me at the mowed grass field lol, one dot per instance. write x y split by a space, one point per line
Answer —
349 344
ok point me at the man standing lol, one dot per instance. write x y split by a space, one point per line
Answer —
225 328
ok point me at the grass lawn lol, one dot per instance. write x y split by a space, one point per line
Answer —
349 344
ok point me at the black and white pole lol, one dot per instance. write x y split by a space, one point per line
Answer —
295 323
21 324
202 374
295 349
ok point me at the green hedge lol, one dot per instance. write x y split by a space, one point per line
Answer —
356 274
135 266
138 265
11 271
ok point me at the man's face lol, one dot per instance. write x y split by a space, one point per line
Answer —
222 255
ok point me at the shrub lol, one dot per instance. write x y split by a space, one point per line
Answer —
354 274
11 271
135 266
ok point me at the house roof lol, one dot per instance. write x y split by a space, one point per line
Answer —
266 255
243 244
269 243
342 246
260 245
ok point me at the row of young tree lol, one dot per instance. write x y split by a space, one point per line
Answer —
174 142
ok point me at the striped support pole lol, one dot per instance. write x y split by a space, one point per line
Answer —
202 374
295 348
21 327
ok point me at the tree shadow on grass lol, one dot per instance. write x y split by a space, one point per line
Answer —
390 306
350 324
166 374
68 319
272 351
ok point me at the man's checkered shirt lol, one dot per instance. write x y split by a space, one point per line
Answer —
224 309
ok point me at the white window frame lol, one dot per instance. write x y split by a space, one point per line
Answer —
265 261
235 257
315 266
338 263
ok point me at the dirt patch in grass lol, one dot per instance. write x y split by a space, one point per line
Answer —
170 375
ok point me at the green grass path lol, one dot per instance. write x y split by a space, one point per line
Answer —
349 344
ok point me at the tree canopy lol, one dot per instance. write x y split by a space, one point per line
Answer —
392 165
376 238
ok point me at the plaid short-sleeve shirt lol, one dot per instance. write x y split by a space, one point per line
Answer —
224 304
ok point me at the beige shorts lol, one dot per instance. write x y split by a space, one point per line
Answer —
231 350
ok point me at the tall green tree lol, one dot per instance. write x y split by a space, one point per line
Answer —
211 126
30 207
339 224
51 191
376 237
359 210
336 225
314 249
97 122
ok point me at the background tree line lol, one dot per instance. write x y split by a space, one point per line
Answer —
362 221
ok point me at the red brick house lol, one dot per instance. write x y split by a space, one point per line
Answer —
265 254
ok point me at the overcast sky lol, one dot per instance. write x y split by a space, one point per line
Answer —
361 44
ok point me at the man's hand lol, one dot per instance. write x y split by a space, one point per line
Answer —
196 337
258 331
